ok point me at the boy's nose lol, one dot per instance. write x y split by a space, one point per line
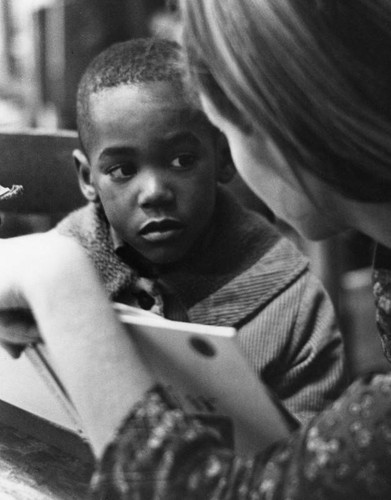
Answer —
154 190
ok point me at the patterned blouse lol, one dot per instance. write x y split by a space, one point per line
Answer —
343 453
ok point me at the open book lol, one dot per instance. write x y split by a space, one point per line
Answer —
201 366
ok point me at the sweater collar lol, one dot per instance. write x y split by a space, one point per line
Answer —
243 267
238 270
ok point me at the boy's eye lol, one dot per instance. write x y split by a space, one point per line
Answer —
123 170
183 161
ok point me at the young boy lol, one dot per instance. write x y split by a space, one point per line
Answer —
166 236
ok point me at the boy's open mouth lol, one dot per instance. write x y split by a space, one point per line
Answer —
158 230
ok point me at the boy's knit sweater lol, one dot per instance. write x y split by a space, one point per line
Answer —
243 274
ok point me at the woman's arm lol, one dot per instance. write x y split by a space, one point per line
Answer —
343 453
91 351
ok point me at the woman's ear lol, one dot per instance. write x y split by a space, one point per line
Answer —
225 166
84 175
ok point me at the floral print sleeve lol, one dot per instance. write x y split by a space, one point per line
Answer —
345 452
382 294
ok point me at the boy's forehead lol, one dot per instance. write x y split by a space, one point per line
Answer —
160 94
159 102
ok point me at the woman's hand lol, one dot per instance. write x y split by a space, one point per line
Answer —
17 329
17 325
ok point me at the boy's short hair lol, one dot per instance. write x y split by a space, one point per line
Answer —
137 61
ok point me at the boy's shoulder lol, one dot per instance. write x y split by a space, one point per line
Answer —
84 222
89 226
278 266
252 238
251 265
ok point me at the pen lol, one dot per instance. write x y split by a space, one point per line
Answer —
37 356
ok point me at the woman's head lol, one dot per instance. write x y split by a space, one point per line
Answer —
312 76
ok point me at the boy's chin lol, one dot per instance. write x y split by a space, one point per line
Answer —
162 259
142 256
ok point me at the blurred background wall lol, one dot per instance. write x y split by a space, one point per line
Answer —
46 44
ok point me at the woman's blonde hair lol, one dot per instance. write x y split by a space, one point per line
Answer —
315 74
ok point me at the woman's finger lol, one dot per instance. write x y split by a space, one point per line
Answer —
14 350
17 327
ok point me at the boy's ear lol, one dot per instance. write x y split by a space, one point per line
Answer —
83 168
225 166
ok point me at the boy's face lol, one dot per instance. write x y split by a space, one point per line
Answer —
154 164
